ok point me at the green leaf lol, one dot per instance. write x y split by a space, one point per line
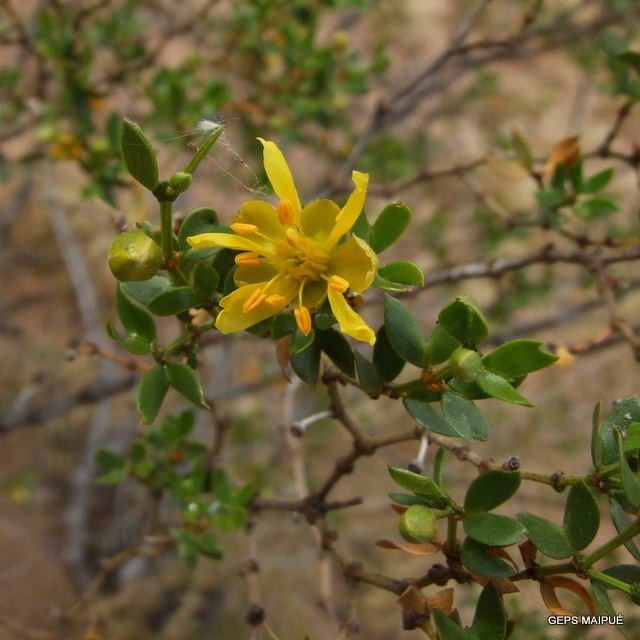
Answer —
596 439
136 321
334 344
631 441
415 482
621 522
361 228
386 285
205 279
109 459
387 362
406 499
490 620
490 489
186 382
629 573
447 628
499 388
595 208
601 598
581 516
597 182
367 375
547 536
151 392
464 417
146 290
284 324
492 529
623 414
133 344
389 226
202 220
426 416
628 478
115 476
306 364
138 155
403 272
403 333
301 342
476 557
174 301
441 345
464 321
518 358
208 545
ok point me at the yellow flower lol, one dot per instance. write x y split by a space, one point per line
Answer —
293 254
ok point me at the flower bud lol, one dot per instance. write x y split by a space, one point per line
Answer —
466 364
180 181
418 524
133 255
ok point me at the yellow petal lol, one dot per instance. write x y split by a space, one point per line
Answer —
233 318
314 293
318 219
351 210
280 175
356 262
350 322
263 216
227 240
251 274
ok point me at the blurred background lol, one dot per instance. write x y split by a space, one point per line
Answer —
439 101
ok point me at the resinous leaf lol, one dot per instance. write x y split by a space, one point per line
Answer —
138 155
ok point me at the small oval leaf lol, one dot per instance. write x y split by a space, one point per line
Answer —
151 392
491 489
403 333
581 516
186 382
138 155
492 529
389 226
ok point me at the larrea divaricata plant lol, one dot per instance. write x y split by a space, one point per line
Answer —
297 273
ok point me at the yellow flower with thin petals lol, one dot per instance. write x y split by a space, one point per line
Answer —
294 255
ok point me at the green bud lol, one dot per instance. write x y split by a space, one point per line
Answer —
180 181
133 255
418 524
466 364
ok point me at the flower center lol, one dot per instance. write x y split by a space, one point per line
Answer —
302 257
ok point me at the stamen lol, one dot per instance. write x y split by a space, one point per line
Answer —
293 237
254 301
338 284
249 258
303 320
285 211
244 228
275 300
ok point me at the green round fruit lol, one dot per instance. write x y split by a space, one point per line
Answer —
418 524
133 255
180 181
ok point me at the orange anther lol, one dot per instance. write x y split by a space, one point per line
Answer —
303 320
338 284
285 211
249 258
244 228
